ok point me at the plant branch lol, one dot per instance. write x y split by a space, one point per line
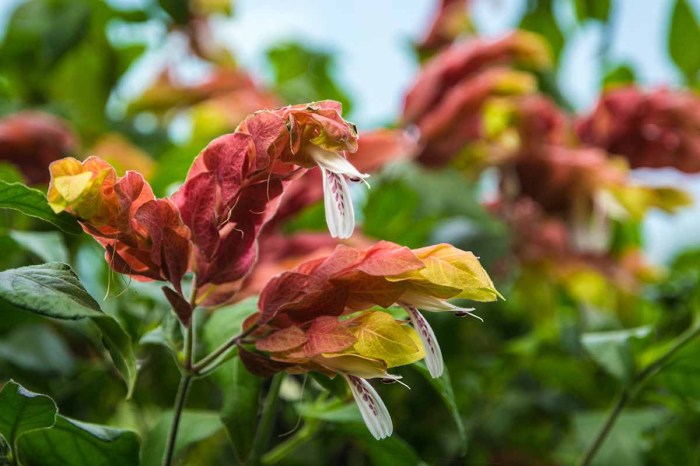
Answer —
180 399
200 366
631 390
262 435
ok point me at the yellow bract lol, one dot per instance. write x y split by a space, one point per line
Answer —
381 337
450 273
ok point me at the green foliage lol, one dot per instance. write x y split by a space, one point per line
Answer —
540 18
614 350
80 444
302 74
53 290
32 202
22 412
684 30
592 9
239 412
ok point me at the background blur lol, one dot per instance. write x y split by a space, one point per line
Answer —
595 290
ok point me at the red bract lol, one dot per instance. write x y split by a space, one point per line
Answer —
32 140
234 187
653 129
144 237
462 62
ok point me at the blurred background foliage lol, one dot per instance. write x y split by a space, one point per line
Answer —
530 386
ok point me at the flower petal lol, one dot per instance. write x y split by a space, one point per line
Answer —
371 406
337 163
340 214
433 354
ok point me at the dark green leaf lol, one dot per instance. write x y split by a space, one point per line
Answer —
241 404
443 385
53 290
178 10
684 32
391 450
33 202
592 9
75 443
22 412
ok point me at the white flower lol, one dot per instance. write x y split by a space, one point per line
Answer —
411 302
336 170
372 408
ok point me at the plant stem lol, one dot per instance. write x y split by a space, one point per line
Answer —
285 448
631 390
180 399
211 357
181 396
262 435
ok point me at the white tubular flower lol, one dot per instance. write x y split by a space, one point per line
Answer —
336 170
371 406
411 302
433 353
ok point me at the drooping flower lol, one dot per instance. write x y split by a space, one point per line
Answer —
319 316
144 237
320 137
659 128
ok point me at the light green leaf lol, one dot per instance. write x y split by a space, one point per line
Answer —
196 426
226 322
32 202
330 412
75 443
592 9
10 173
53 290
443 385
614 351
37 348
239 413
47 245
625 444
22 412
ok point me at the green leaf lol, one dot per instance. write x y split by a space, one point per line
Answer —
239 413
195 426
10 173
598 10
625 444
305 75
618 75
168 335
443 385
32 202
684 33
390 214
330 411
614 351
22 412
391 450
47 245
75 443
53 290
37 348
540 19
226 322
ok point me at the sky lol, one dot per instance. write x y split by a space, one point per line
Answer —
371 40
